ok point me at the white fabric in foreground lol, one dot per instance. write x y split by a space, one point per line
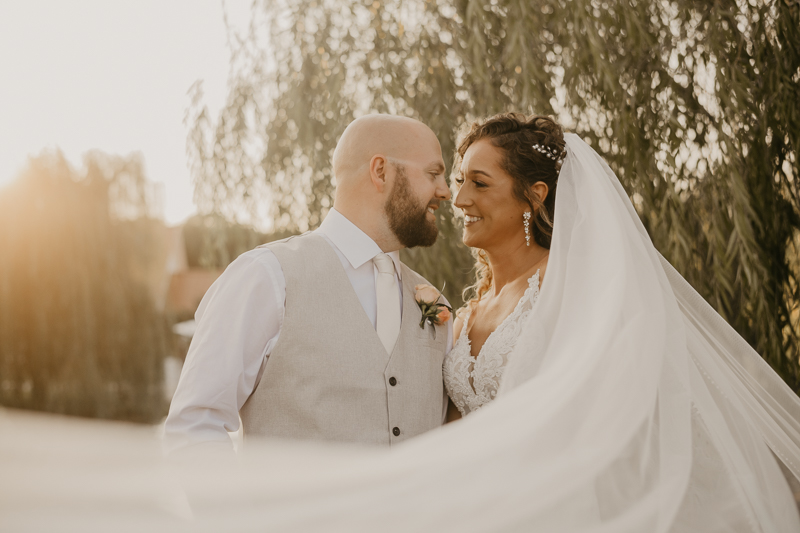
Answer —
628 406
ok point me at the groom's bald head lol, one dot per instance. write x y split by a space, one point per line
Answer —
397 138
374 154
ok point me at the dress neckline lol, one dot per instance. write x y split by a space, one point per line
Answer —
533 280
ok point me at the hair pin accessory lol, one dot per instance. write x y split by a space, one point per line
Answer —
547 151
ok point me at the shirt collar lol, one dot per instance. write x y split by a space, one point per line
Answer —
354 244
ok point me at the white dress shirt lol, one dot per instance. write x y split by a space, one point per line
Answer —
238 324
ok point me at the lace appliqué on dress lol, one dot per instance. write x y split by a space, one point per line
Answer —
472 382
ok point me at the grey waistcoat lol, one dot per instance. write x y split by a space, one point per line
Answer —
329 377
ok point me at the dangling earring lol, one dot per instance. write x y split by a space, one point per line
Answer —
526 221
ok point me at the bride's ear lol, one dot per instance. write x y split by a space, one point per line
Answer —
538 192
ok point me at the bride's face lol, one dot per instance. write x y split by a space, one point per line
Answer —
492 214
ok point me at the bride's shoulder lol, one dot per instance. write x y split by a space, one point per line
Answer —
539 276
461 315
458 325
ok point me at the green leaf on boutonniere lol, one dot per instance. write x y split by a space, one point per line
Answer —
433 312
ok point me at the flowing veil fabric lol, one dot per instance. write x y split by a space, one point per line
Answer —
628 405
678 410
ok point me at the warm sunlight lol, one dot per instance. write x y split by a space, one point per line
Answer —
111 76
400 265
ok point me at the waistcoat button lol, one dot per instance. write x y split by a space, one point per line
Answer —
396 431
392 381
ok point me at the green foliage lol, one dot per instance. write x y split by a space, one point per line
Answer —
213 242
79 333
695 105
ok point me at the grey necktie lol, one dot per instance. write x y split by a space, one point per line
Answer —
388 320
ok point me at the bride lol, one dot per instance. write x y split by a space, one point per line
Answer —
650 407
506 182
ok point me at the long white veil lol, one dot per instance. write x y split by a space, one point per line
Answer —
628 405
674 408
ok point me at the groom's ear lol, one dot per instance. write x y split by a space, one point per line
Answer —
378 172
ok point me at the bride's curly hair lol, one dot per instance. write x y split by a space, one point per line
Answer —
515 134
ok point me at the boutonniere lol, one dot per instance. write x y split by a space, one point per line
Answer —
433 312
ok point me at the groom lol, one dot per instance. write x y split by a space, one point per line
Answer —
317 336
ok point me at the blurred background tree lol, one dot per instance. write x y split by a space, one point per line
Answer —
695 105
213 241
80 333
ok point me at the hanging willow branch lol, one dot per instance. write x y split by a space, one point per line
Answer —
695 105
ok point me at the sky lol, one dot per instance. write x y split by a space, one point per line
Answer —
113 76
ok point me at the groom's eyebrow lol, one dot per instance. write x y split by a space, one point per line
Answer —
437 167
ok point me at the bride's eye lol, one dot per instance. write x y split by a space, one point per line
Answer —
459 181
479 184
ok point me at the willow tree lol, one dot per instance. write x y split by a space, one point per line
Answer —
80 333
695 105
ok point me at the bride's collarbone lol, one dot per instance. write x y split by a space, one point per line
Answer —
488 314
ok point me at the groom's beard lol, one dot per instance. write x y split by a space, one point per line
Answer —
408 220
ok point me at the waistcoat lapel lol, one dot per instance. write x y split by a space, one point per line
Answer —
409 320
339 277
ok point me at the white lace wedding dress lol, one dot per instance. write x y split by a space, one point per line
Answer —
472 381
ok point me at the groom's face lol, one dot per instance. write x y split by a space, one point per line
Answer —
417 185
418 190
